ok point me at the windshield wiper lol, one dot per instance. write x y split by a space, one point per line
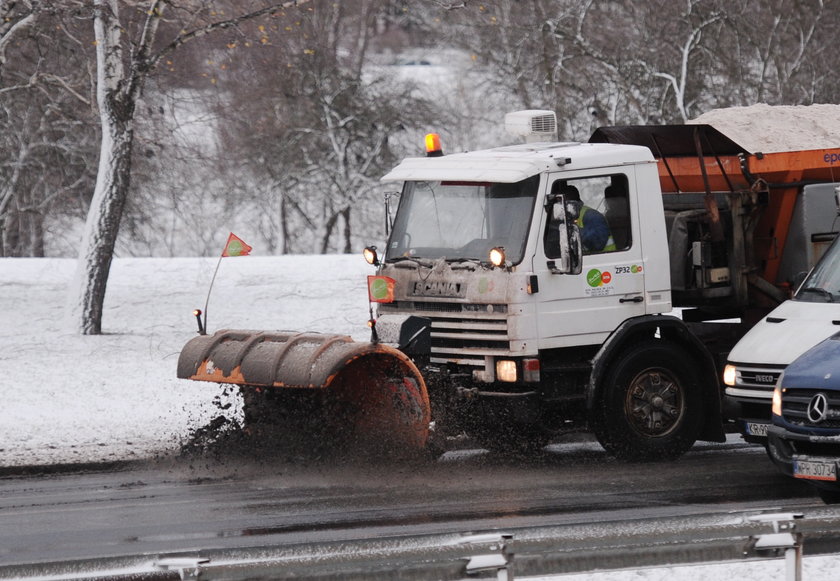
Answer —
819 291
464 263
397 260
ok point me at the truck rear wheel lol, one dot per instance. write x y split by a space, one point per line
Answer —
649 406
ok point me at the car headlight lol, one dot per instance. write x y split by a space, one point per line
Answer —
776 408
777 402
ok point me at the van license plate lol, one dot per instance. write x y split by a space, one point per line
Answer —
815 469
757 429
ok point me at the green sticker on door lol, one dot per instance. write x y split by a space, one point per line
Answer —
596 278
599 283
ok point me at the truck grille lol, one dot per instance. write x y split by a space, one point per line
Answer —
462 333
758 382
795 408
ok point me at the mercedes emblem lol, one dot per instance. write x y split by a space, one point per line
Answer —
818 408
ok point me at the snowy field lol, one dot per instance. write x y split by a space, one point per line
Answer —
72 399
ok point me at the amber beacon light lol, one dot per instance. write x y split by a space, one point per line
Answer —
433 145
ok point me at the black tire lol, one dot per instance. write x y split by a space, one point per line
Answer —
649 406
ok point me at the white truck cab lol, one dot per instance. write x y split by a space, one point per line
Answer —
542 271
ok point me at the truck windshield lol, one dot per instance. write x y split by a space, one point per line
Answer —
462 220
823 283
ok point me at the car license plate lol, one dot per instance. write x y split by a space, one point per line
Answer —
757 429
815 469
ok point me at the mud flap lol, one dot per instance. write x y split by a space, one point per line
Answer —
374 397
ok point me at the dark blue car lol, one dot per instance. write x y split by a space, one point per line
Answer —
804 440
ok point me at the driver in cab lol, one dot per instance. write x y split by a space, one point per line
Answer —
595 235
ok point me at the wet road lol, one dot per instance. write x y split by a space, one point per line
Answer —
572 500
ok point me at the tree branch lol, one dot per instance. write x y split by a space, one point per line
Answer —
26 22
153 61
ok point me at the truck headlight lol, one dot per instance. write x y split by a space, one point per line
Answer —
371 257
729 375
497 256
506 370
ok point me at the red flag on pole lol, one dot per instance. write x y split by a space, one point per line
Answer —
381 289
235 246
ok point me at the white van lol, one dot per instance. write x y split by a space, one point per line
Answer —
756 362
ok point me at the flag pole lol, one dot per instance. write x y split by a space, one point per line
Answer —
209 290
234 246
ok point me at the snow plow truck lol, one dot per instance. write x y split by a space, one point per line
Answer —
529 290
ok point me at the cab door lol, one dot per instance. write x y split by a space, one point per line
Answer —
582 309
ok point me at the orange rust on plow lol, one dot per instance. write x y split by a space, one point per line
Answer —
366 393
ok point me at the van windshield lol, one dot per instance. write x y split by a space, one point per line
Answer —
823 283
462 220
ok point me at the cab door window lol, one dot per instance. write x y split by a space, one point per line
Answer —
601 210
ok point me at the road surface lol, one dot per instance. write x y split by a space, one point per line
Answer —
572 508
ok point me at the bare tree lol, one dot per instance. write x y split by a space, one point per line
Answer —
299 96
45 112
121 74
15 20
648 62
321 129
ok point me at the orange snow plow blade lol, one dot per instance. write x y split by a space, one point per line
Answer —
370 392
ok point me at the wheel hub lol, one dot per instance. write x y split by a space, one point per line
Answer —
654 403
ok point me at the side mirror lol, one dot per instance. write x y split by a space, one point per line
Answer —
558 213
564 230
389 220
798 280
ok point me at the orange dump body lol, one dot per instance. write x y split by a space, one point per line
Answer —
700 159
781 173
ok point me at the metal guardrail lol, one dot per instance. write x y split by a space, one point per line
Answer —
451 556
784 538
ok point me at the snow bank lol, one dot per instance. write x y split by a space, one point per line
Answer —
768 129
814 568
70 398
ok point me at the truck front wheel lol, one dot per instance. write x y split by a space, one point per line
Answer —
649 406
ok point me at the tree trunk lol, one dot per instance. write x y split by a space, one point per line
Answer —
328 229
116 95
345 214
11 238
102 226
36 234
284 223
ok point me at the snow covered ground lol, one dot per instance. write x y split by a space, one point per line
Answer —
72 399
822 568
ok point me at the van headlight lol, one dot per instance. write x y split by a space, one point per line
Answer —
729 375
